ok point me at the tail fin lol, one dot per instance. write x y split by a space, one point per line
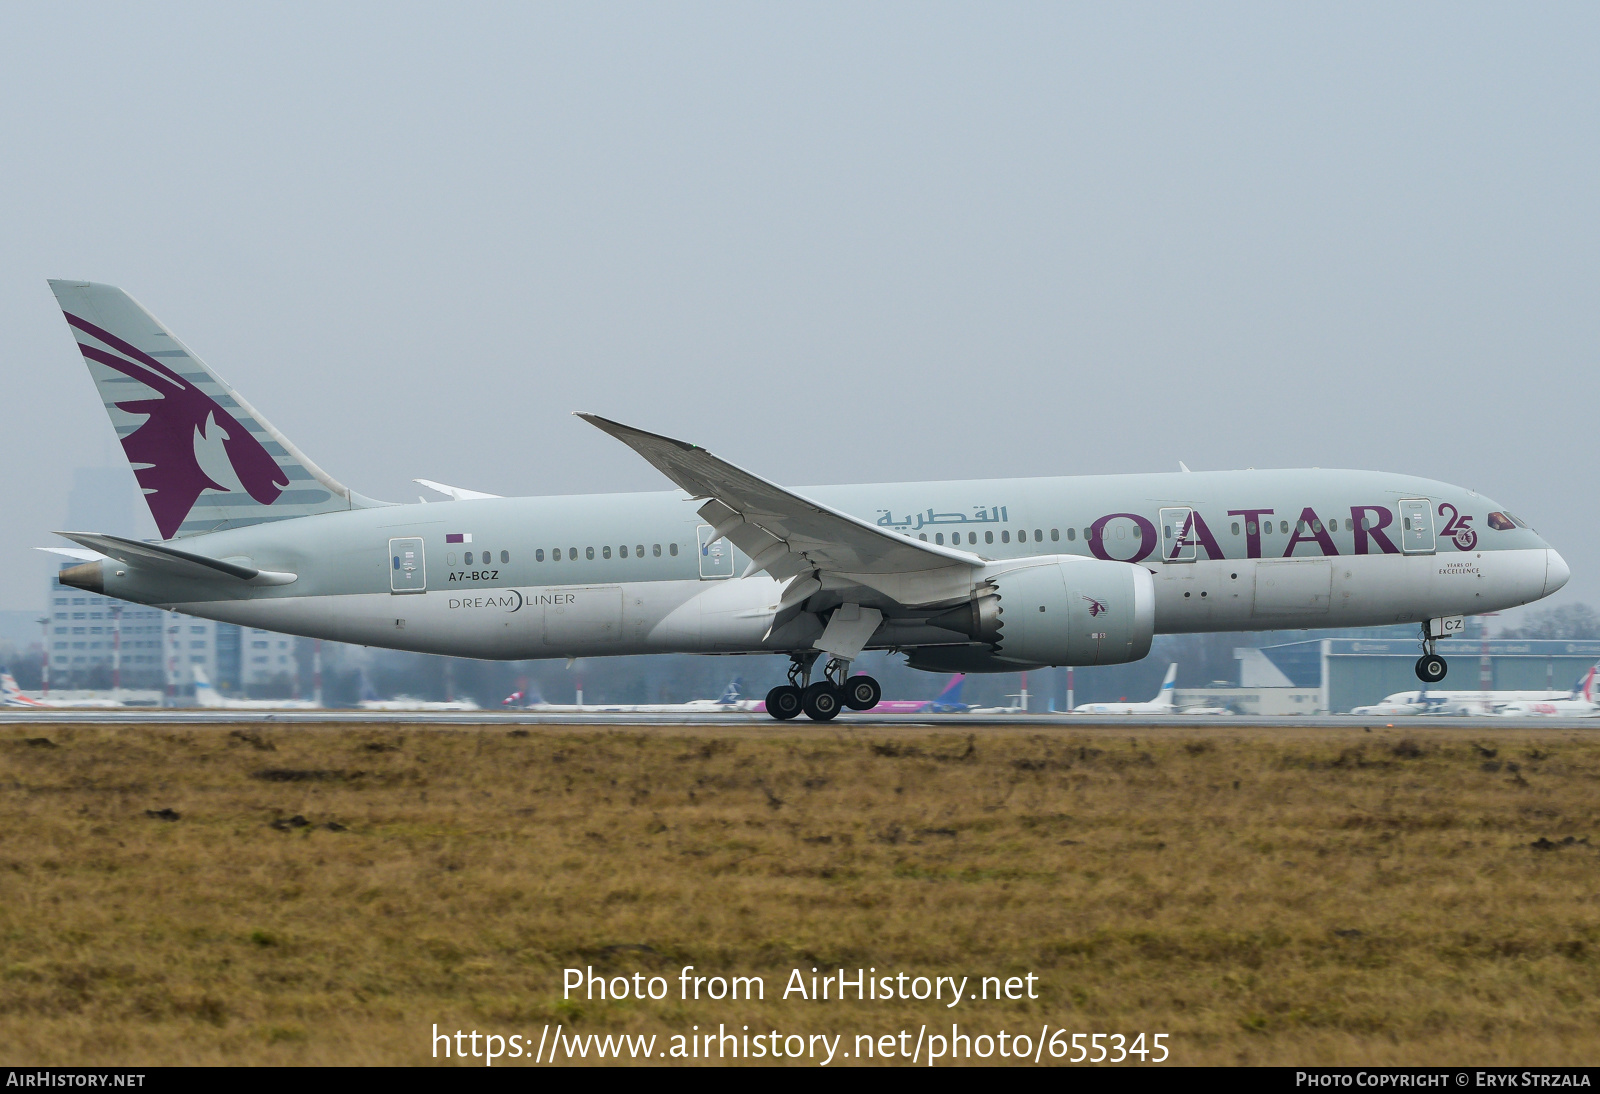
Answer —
10 694
204 693
205 458
950 698
1585 687
730 694
1168 684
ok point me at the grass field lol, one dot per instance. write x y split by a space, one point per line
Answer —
325 894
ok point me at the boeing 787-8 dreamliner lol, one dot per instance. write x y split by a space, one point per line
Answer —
991 575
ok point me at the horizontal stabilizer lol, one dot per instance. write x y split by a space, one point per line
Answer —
157 556
73 552
456 493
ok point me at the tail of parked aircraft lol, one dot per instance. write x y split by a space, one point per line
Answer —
950 697
1168 686
11 695
1585 688
730 694
204 693
205 458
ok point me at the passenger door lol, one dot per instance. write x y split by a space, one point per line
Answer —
1416 526
716 558
1177 538
408 569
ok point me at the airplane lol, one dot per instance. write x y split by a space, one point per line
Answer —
13 696
993 575
370 701
208 697
728 702
1583 701
1161 704
1402 704
1452 703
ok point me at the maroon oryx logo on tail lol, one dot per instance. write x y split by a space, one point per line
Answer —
172 476
1095 607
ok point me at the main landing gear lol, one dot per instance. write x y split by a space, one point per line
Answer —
821 701
1431 668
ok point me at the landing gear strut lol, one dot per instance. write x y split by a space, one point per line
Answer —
1431 668
785 700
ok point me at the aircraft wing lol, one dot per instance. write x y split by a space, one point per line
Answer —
794 537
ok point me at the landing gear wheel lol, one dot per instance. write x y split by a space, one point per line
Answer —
1431 668
783 702
821 701
862 693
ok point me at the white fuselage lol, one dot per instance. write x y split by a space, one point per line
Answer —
641 573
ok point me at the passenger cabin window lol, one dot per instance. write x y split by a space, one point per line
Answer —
1005 537
572 554
1283 527
605 552
588 553
938 537
639 550
655 549
972 537
672 549
538 556
622 552
1250 527
1235 527
1038 535
923 537
505 556
467 558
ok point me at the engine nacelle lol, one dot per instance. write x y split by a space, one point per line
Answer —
1062 610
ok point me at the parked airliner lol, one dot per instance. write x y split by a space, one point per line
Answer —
1582 702
729 702
205 695
13 696
1161 704
992 575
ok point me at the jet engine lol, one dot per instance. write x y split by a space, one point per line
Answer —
1059 610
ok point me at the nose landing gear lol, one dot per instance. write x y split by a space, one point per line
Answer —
1431 668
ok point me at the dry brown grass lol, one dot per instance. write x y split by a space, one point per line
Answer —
1271 896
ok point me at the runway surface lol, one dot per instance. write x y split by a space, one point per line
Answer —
486 718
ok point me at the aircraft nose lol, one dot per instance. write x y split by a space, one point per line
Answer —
1556 572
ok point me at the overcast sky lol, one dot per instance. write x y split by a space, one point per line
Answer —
830 243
